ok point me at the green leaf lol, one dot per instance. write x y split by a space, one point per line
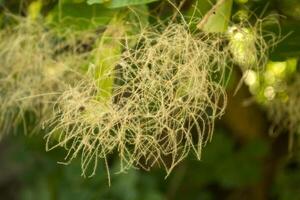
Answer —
216 20
119 3
97 1
107 55
80 16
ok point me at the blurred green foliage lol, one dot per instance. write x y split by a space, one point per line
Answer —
119 3
227 164
224 164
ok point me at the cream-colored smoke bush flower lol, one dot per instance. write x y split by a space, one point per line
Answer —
36 64
168 84
249 43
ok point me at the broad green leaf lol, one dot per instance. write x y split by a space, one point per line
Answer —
216 20
197 11
199 8
119 3
107 55
34 9
97 1
109 47
80 16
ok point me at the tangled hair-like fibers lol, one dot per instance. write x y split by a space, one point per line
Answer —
35 66
285 113
170 83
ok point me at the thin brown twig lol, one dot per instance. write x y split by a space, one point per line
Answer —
179 8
